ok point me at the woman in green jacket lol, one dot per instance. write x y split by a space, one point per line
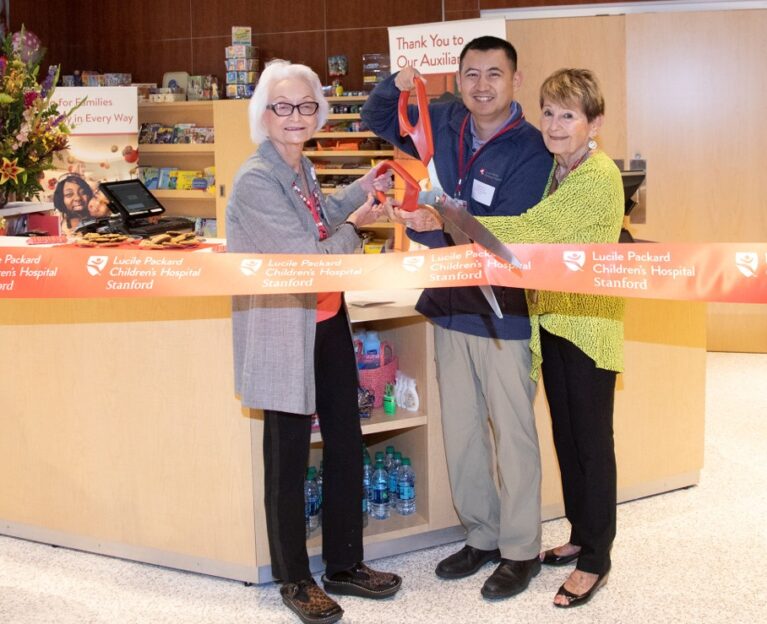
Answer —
577 339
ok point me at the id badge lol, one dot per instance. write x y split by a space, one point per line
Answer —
482 193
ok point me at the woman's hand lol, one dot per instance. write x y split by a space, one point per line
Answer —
367 213
372 181
405 78
423 219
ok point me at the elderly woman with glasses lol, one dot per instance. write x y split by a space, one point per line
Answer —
293 353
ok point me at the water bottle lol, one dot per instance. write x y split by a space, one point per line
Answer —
379 506
371 344
380 455
318 479
406 488
371 348
367 492
311 501
365 452
393 478
388 458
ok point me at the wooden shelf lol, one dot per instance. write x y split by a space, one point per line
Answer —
330 190
343 117
338 99
380 225
395 526
176 148
341 171
181 105
361 153
379 422
194 195
344 135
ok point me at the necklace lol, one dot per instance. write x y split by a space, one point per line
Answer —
558 177
313 203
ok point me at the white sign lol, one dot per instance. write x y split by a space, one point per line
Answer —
436 48
107 110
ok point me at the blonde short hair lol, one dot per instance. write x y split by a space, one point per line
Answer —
570 87
274 71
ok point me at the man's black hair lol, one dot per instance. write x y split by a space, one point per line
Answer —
487 42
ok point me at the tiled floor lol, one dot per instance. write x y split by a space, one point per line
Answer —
688 556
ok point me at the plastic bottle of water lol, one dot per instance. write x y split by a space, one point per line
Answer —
389 458
393 482
406 487
311 501
318 479
367 492
371 343
379 506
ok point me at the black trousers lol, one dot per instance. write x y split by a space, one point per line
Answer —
286 452
581 398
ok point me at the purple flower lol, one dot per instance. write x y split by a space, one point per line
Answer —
49 80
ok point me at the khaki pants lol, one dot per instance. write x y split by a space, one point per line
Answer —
484 380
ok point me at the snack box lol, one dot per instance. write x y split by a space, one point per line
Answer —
246 77
167 178
185 179
241 35
150 176
241 51
241 64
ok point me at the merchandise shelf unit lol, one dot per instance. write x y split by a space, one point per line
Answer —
174 476
196 203
417 434
351 163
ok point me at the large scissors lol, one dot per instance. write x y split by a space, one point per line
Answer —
466 227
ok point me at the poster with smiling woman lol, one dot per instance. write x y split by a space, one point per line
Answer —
102 147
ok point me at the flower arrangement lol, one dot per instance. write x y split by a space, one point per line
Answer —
32 128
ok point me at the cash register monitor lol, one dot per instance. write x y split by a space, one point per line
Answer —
632 180
132 199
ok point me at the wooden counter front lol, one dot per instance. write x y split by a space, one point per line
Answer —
120 432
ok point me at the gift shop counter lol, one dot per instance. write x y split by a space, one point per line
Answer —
120 433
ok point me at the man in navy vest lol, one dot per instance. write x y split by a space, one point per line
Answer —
487 154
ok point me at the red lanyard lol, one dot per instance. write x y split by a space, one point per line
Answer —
462 172
312 204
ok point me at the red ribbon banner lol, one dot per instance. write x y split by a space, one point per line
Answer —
729 272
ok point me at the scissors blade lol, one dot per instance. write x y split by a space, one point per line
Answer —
455 212
487 291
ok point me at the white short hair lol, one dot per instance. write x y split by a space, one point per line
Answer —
274 71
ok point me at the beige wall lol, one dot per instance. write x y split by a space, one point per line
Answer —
544 46
686 91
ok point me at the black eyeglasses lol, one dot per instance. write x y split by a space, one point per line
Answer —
285 109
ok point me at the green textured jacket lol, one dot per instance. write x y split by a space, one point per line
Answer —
586 208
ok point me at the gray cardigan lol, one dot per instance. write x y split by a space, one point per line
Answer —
273 335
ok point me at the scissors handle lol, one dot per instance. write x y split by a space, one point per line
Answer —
412 188
421 132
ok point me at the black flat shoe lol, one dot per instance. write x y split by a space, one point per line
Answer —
575 600
510 578
553 559
465 562
362 581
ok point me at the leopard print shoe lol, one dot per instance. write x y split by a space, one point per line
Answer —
307 600
362 581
